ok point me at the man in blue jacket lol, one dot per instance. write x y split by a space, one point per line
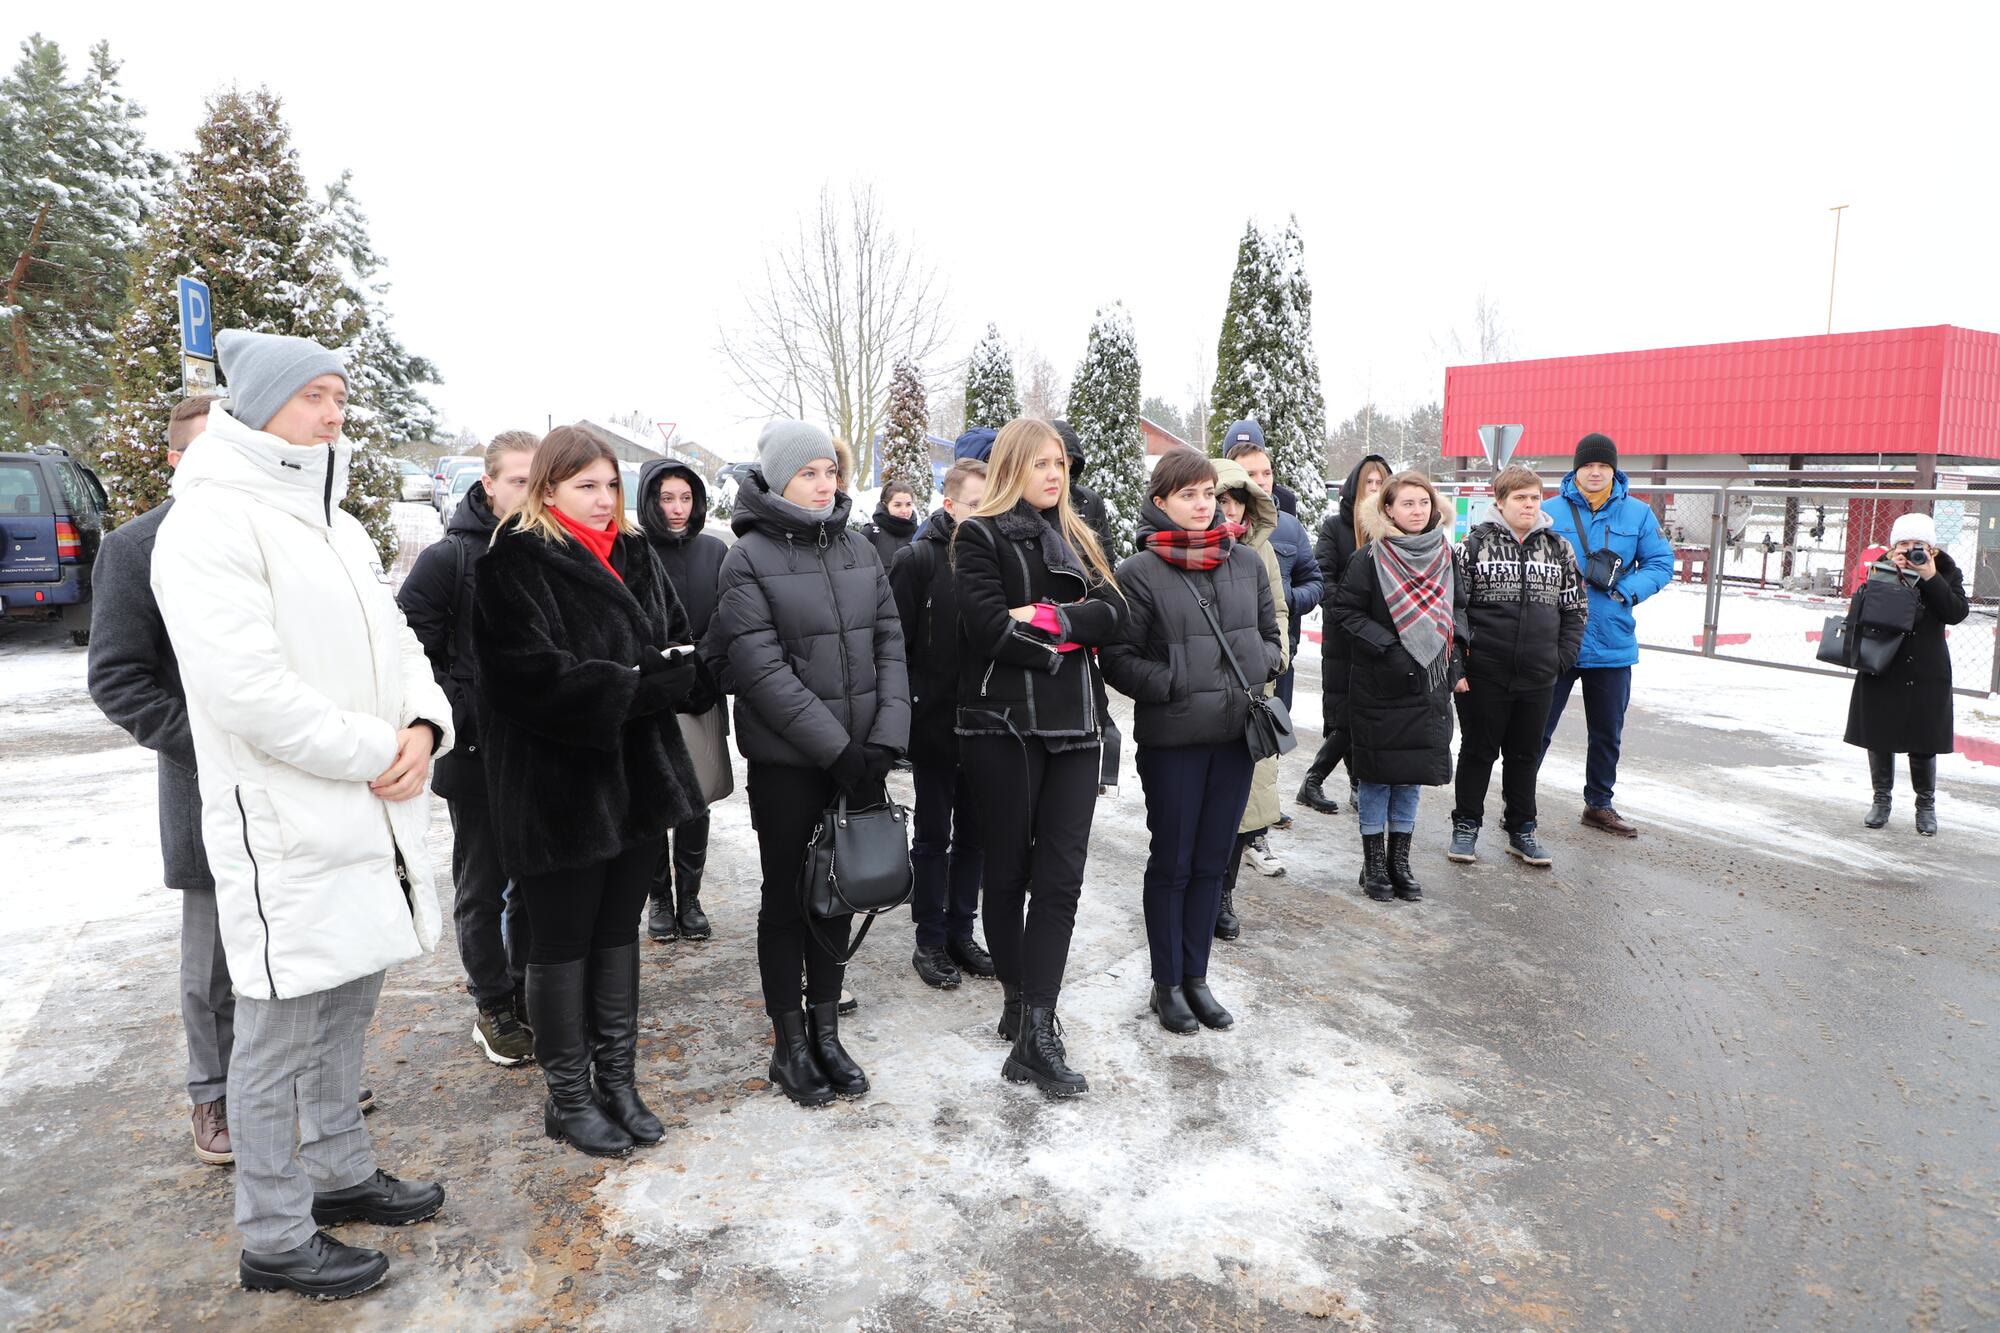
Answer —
1625 559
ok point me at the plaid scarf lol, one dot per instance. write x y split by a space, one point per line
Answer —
1414 573
1194 550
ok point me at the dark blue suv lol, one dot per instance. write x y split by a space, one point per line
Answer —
51 520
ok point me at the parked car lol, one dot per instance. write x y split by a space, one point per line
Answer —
415 482
628 483
462 481
438 479
51 519
464 467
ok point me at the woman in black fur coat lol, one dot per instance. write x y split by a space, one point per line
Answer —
573 631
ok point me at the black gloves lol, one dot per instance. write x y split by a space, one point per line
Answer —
880 760
850 770
667 680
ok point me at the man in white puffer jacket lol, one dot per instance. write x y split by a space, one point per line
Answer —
315 717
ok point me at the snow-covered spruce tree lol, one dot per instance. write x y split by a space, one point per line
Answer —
1266 367
276 261
1104 409
76 182
906 455
990 397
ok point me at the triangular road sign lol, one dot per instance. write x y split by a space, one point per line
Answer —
1499 443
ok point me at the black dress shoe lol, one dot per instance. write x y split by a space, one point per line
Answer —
322 1268
381 1199
1172 1007
1207 1009
935 968
972 959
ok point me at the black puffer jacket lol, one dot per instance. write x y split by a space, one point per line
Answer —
806 635
583 755
1011 679
889 534
1525 604
437 602
1399 724
1907 709
927 600
1333 548
691 558
1167 657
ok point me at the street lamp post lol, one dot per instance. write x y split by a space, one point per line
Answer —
1834 276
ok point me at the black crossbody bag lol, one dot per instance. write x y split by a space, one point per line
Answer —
1268 728
1602 566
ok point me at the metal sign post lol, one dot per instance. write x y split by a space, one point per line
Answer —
197 336
1499 443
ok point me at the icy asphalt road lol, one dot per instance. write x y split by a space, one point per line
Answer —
1740 1073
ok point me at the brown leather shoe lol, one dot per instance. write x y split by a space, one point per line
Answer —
1608 820
211 1133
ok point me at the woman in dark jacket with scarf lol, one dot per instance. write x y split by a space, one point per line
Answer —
585 768
673 509
1035 596
1334 549
807 638
1526 607
1404 612
1190 717
1907 709
895 522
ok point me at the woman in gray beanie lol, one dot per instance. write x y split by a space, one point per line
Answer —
806 636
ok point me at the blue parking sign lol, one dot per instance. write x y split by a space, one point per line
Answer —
197 319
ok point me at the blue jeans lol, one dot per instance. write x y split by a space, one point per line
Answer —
1380 804
1606 692
1195 797
944 857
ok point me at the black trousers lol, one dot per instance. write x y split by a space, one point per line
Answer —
785 804
1195 796
1035 807
945 856
1496 724
683 855
495 958
577 912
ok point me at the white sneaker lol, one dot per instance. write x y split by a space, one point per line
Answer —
1257 855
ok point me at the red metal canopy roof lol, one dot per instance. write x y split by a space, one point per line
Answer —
1932 390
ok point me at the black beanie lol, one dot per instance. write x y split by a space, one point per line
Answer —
1594 448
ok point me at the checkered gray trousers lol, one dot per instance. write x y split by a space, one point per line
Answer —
294 1116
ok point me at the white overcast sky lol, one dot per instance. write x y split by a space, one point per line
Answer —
573 197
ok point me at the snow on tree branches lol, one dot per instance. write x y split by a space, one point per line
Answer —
1104 410
1266 367
990 397
906 454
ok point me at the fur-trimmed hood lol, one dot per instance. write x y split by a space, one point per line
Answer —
1373 523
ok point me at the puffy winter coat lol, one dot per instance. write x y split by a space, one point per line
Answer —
1333 550
1262 516
1398 723
299 673
1299 576
1625 525
437 601
691 559
136 680
888 534
1011 679
1907 709
1168 659
1524 602
927 602
806 635
584 757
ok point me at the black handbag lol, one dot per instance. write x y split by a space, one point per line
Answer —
1881 616
857 864
1268 729
1836 645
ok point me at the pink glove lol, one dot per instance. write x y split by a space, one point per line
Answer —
1045 618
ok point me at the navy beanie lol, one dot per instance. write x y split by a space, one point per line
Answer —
975 443
1242 432
1594 448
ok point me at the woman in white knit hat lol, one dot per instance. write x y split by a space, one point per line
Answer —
1906 709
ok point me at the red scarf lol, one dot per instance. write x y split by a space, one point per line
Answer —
596 541
1195 550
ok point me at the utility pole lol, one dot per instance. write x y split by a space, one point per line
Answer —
1834 276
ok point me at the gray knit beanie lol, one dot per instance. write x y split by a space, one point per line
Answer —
786 446
264 370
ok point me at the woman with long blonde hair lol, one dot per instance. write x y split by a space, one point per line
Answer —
582 651
1036 597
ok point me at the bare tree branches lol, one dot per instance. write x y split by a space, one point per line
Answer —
837 308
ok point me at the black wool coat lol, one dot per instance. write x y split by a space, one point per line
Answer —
1398 723
436 600
1333 548
1907 709
691 559
584 757
927 602
1168 659
1011 679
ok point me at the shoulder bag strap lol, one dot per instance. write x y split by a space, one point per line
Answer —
1221 640
1582 533
451 616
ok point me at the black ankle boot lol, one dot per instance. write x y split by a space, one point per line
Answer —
1882 775
614 1008
1227 927
1400 878
688 916
1010 1010
792 1065
556 998
1172 1008
1038 1056
1923 780
1314 797
1375 867
1207 1009
660 915
842 1074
